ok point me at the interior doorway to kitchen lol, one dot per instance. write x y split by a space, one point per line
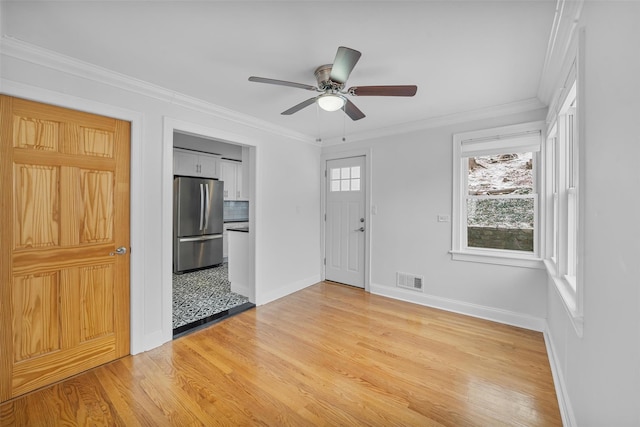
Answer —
202 293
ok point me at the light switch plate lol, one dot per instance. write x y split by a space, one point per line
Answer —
444 218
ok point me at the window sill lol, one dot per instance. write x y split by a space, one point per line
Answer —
565 289
509 259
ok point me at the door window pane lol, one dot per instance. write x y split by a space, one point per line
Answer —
345 179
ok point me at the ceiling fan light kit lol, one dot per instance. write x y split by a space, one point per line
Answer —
331 79
330 101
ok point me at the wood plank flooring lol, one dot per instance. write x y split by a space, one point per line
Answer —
327 355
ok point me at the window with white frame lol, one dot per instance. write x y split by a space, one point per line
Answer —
496 195
562 191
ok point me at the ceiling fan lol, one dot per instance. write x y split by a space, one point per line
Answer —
331 80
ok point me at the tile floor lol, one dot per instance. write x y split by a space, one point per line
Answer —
201 295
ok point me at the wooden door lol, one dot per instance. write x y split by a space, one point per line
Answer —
345 222
64 300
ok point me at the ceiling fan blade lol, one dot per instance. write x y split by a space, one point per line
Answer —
281 83
343 64
299 107
383 90
352 111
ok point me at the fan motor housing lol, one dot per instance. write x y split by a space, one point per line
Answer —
323 77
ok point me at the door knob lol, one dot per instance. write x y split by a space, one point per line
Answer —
120 251
359 229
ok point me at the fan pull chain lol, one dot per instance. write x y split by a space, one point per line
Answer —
344 125
319 138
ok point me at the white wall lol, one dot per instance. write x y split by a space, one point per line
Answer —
192 142
411 185
286 196
600 372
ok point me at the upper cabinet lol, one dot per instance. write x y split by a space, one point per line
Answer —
231 174
194 163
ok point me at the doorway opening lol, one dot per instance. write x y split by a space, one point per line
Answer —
202 292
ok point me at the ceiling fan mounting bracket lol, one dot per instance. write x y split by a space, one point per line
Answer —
325 84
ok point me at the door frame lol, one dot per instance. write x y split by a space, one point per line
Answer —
171 125
366 153
136 205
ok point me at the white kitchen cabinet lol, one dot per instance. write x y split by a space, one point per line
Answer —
231 174
194 163
225 235
241 264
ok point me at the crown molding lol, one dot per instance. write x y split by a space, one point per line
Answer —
562 39
530 104
24 51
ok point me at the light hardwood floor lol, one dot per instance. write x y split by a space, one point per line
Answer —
327 355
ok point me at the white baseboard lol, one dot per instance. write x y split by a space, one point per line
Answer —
153 340
267 297
564 403
469 309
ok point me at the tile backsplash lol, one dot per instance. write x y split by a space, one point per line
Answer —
236 210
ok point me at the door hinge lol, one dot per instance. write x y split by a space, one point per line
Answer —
325 261
325 217
325 173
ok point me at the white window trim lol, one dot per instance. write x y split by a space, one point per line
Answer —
569 287
460 251
566 286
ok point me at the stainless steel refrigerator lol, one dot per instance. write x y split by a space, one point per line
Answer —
197 223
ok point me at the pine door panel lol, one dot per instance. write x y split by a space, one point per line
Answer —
35 301
36 206
96 302
96 212
35 133
64 177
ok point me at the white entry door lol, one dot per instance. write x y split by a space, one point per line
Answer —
345 222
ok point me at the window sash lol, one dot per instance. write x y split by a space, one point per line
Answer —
525 137
465 220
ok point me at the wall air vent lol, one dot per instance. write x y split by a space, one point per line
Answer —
409 281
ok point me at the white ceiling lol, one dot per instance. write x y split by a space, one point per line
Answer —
462 55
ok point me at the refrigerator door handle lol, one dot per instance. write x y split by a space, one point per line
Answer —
200 238
207 206
201 206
